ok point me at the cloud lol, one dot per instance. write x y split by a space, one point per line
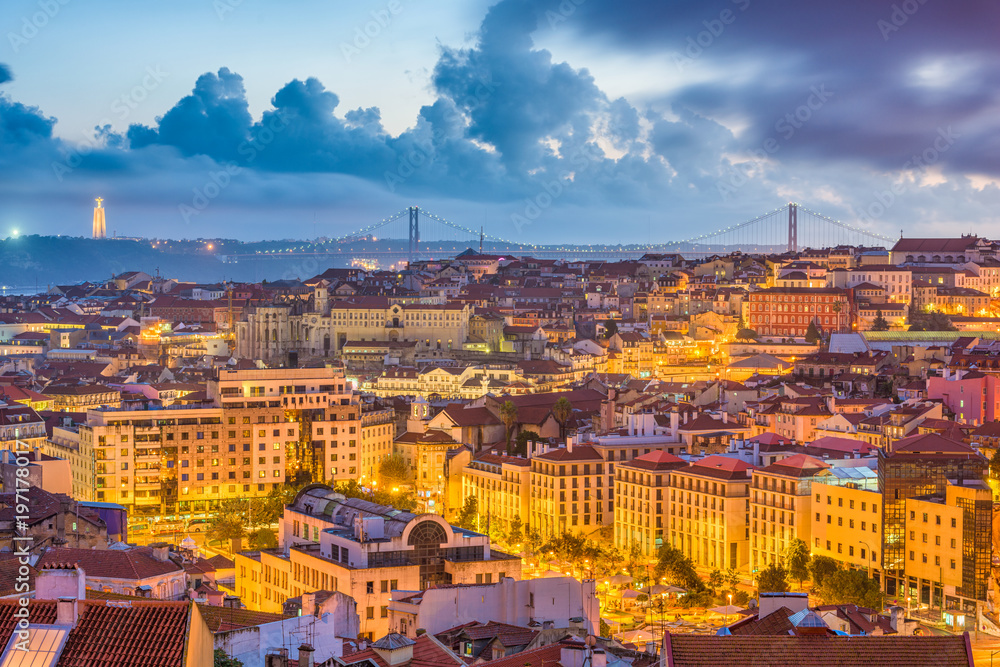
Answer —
510 125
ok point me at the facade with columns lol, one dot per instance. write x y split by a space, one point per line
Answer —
320 327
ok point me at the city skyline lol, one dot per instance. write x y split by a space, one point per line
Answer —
528 118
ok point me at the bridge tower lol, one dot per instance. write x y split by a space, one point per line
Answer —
793 228
414 231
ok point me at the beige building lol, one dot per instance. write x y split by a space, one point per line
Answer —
366 551
320 328
571 490
847 517
780 501
501 485
709 510
642 502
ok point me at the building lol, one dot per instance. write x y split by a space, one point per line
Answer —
642 502
781 499
366 551
787 311
571 490
501 484
710 510
139 571
932 487
558 602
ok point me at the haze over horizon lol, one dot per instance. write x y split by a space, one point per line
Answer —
576 121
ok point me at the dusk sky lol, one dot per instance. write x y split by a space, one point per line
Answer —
629 122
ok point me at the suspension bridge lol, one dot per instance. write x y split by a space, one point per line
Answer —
416 233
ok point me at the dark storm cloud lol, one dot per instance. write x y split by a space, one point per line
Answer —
898 71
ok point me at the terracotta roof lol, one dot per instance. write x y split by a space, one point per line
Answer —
797 465
723 467
114 634
134 564
660 460
426 653
809 651
930 443
563 455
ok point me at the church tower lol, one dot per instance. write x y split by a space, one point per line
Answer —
100 227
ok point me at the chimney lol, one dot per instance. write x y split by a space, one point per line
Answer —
66 612
306 655
725 417
894 617
161 551
599 658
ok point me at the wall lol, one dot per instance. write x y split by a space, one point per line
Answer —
250 645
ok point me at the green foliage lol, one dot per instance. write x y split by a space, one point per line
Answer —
995 465
262 538
746 334
733 579
515 535
879 323
610 328
403 500
931 322
605 629
715 581
521 442
772 579
678 569
227 524
851 587
812 333
393 471
562 411
821 567
468 514
797 558
223 660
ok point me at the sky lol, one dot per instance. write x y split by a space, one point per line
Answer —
545 121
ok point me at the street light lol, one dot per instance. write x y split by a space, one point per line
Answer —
871 556
727 610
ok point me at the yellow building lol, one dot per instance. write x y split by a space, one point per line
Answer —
570 491
642 504
847 517
502 486
780 501
365 550
709 511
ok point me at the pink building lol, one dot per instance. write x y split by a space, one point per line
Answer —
970 395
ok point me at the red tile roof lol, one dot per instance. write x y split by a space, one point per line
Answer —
817 651
134 564
114 634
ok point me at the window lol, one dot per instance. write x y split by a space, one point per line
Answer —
370 613
369 588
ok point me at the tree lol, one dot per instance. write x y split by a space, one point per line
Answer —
262 538
772 579
605 629
797 558
715 581
223 660
394 472
508 415
226 527
821 567
812 333
516 533
934 321
468 514
733 579
746 334
562 411
678 569
995 465
522 440
851 587
610 328
879 323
